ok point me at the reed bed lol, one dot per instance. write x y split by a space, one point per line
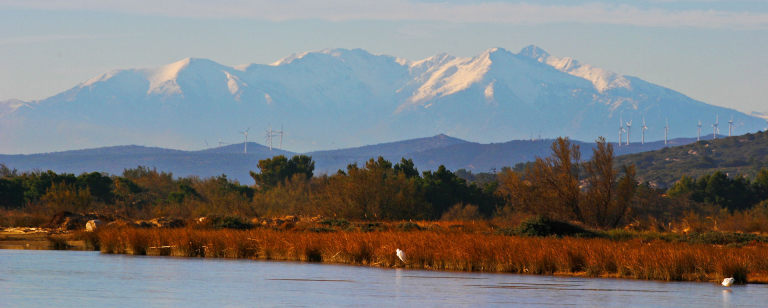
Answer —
658 260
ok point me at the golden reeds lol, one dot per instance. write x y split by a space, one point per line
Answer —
448 250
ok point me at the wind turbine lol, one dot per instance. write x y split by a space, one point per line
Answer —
714 128
666 130
621 129
268 137
246 139
206 144
699 135
729 126
281 135
629 128
270 134
220 143
644 128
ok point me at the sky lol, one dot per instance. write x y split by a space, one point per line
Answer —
713 51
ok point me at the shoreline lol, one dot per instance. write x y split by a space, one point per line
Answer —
40 239
429 250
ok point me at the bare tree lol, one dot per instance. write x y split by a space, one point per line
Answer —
606 197
551 186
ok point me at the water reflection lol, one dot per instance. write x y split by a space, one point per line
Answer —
65 278
727 297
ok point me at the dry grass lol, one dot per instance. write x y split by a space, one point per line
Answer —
17 218
454 250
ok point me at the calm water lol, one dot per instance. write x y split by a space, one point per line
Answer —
79 279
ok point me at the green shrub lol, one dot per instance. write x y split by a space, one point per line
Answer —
543 226
230 222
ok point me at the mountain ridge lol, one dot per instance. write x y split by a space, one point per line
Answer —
340 98
427 153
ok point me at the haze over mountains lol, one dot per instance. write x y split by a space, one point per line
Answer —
427 153
340 98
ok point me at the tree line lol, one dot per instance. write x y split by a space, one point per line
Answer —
593 192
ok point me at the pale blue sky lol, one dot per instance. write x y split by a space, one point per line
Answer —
713 51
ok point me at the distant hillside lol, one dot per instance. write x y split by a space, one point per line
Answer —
330 161
239 148
394 148
484 157
115 150
229 160
427 153
736 155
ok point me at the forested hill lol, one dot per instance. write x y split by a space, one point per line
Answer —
737 155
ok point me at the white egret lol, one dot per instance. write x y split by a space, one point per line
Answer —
401 255
728 282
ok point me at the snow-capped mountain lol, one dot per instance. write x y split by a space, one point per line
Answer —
340 98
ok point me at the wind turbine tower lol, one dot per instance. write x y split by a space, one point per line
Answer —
666 130
730 123
281 136
220 143
629 128
270 134
621 129
644 128
699 135
246 139
714 128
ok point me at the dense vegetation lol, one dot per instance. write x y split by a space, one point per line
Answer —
599 193
379 190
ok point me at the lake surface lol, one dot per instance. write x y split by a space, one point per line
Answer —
46 278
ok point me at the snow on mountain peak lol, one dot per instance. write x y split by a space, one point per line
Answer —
6 107
339 53
448 75
493 96
601 79
290 58
162 80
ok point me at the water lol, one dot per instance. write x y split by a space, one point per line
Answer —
78 279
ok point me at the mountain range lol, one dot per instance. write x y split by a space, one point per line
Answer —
427 154
339 98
